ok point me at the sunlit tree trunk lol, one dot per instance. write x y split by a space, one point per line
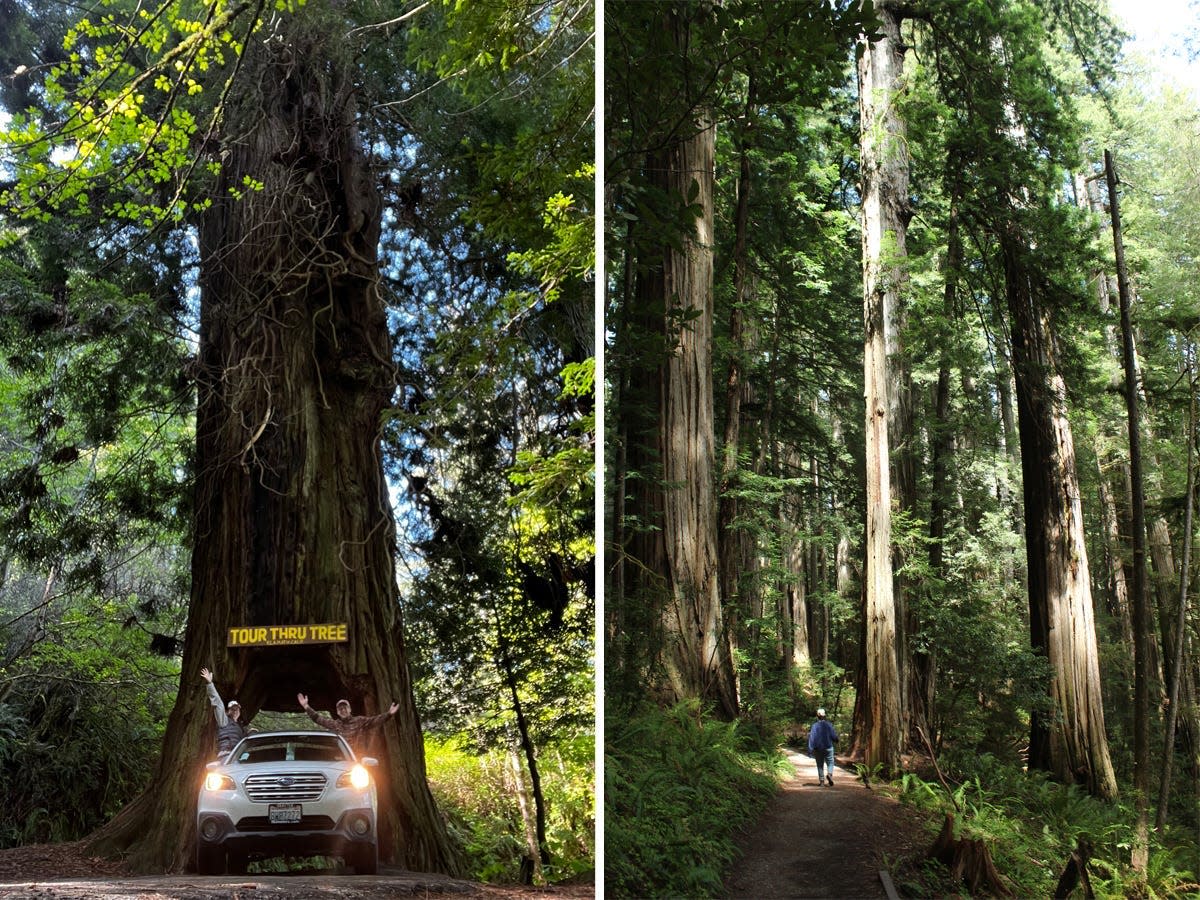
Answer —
885 216
292 519
1069 742
1112 468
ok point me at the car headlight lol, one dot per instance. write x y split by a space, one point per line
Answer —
215 781
356 777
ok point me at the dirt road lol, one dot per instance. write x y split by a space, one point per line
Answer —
827 842
65 872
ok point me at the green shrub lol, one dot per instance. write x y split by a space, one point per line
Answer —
477 795
80 729
1031 824
677 787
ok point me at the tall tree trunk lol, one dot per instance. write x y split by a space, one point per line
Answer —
924 668
677 562
1175 652
292 519
1141 622
732 538
1070 741
885 216
697 656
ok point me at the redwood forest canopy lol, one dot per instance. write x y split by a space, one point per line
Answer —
901 422
296 320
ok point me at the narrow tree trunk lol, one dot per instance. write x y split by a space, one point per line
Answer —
531 864
734 388
924 668
1141 692
884 220
1118 589
539 848
292 519
735 573
1175 652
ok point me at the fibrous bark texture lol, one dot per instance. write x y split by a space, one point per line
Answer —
292 519
1070 741
696 657
884 221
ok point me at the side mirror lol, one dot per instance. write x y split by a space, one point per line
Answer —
369 761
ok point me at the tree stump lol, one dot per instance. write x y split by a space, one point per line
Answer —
969 861
1075 872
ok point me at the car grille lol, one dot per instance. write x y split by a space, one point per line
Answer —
306 823
272 788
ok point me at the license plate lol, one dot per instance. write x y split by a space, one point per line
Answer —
284 813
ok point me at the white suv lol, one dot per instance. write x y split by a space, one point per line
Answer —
295 793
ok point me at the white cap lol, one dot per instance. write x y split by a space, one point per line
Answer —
821 713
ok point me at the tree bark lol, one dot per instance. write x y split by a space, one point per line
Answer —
1069 742
697 656
1175 651
1141 622
678 562
735 574
292 519
924 668
884 221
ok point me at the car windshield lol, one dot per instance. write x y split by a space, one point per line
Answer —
291 748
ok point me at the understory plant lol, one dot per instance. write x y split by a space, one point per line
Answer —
478 794
678 786
1032 824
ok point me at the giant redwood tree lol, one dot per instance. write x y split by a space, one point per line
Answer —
885 215
672 561
292 521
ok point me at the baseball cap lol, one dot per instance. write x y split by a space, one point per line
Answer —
821 713
232 703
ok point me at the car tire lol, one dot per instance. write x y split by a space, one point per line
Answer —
237 864
210 860
366 860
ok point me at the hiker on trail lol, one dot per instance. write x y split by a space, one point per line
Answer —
821 738
229 729
355 729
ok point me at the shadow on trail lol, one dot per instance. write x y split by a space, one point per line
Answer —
815 841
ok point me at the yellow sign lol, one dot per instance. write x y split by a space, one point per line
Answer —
276 635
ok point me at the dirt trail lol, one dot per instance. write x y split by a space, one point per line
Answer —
826 842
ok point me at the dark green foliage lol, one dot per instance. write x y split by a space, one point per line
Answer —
81 719
678 785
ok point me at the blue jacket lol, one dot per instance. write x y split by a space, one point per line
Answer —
821 736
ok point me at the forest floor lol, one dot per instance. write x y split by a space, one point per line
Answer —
64 872
830 842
